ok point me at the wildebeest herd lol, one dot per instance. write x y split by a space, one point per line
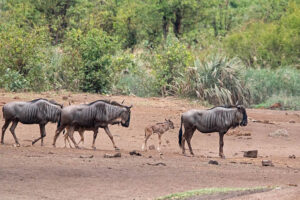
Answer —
101 113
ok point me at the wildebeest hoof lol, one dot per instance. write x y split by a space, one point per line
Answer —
17 145
222 156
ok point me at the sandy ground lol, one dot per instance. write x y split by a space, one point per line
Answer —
35 172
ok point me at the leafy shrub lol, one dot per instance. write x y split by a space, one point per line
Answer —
170 63
268 45
96 49
266 83
217 80
12 81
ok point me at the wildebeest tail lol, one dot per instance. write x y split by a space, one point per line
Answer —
180 134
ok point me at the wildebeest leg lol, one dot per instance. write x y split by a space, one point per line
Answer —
70 133
81 132
94 138
57 132
159 141
147 136
221 141
111 137
4 127
66 138
43 134
188 139
12 130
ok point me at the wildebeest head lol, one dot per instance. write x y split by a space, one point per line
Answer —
241 109
125 116
171 124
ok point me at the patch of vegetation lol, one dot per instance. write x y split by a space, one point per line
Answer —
147 48
205 191
274 86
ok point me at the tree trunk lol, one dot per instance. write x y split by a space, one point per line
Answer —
177 23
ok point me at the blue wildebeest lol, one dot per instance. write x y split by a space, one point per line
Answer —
218 119
38 111
158 128
98 114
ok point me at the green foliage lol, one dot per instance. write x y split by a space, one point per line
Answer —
268 45
13 81
265 83
148 47
96 49
170 63
217 80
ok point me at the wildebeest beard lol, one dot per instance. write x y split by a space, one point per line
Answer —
126 124
245 119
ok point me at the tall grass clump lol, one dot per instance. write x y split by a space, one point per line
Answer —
271 86
217 80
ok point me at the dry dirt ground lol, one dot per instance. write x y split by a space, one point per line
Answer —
35 172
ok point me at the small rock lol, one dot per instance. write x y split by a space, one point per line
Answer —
16 97
152 147
116 155
50 152
213 162
135 153
167 141
157 164
293 184
149 156
292 121
267 163
64 97
292 156
250 154
279 132
91 156
246 163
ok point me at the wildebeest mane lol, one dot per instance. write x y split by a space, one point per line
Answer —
108 102
222 106
50 101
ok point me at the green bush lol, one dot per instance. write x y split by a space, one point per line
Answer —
268 45
13 81
266 83
24 52
170 63
217 80
96 49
